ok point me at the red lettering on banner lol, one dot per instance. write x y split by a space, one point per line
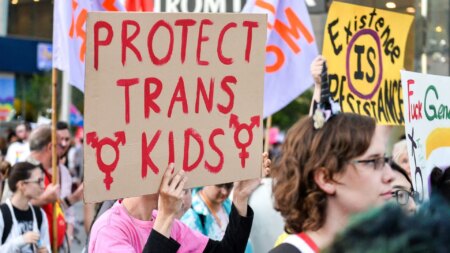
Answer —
97 42
295 24
416 111
184 23
151 34
243 128
127 83
202 39
410 93
149 96
207 99
179 95
248 47
93 141
223 59
171 148
225 87
127 41
215 169
146 150
187 137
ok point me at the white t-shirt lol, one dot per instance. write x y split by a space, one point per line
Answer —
17 152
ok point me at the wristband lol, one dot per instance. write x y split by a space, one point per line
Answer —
67 202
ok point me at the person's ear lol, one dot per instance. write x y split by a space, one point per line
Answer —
20 185
323 179
49 146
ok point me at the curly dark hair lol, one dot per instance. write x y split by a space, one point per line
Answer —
297 196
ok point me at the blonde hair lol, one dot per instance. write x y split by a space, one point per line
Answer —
399 149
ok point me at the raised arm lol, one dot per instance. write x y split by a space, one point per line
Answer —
316 70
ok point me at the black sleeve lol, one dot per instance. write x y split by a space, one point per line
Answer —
156 243
285 248
236 236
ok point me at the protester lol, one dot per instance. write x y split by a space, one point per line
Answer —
27 227
19 150
75 159
5 169
403 190
63 144
400 156
390 230
332 166
3 148
210 210
11 137
41 152
440 181
147 223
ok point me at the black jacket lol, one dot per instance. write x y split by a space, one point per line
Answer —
235 238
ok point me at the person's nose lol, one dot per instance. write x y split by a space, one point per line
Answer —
412 206
388 174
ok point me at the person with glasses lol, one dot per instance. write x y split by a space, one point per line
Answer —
403 190
27 227
332 166
210 210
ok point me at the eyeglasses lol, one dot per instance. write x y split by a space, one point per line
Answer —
38 181
378 163
402 196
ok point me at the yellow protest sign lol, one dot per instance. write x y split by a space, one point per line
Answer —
365 51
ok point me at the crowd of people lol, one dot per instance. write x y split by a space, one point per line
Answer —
331 187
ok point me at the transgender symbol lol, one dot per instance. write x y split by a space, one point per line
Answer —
95 143
234 123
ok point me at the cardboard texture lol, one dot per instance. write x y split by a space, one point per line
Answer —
182 88
427 126
365 50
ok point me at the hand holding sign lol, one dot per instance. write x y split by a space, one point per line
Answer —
170 199
316 69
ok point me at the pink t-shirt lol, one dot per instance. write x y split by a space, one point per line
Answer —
116 231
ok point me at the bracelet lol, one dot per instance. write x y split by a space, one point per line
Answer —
67 202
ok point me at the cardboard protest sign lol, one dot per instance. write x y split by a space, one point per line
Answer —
365 50
182 88
427 122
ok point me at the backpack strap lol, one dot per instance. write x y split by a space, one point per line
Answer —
7 219
38 212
